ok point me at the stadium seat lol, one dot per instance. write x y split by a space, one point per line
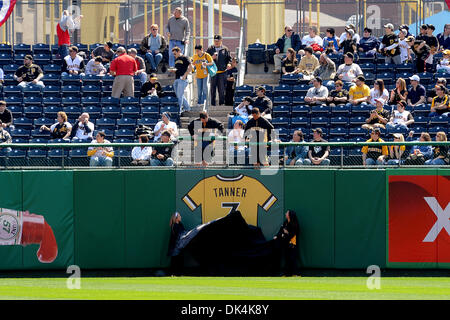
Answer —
38 122
150 111
19 58
320 110
300 110
289 79
422 110
66 101
282 90
91 91
5 58
124 133
52 79
340 110
105 123
41 48
87 101
256 53
281 122
22 48
439 121
147 121
90 79
52 69
12 91
11 68
126 123
357 121
150 101
5 48
71 79
71 91
110 101
165 101
33 111
319 121
126 101
23 123
284 100
72 111
20 133
37 133
52 91
13 100
16 110
339 121
300 89
42 59
281 111
111 111
171 109
27 100
131 111
95 112
300 122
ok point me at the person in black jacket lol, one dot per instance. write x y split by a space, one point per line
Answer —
258 129
177 230
221 56
289 40
263 103
286 239
162 155
202 128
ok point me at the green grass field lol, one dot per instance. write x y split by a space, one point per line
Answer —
204 288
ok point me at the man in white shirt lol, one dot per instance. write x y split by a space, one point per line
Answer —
355 37
73 63
165 125
101 156
141 155
317 94
83 129
348 71
312 38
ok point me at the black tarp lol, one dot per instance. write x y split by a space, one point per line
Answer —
229 246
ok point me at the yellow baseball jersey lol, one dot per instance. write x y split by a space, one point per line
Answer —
219 195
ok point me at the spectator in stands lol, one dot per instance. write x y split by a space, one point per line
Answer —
5 137
178 32
373 155
221 56
326 71
152 87
440 105
444 38
183 67
83 129
417 93
141 155
431 40
201 60
432 93
359 94
420 153
423 34
405 50
378 91
356 36
399 93
73 63
312 39
162 155
61 129
349 44
124 67
308 64
140 65
295 155
29 73
105 51
153 46
397 154
400 118
201 129
389 45
232 72
330 42
100 156
290 63
378 117
318 94
348 71
440 153
422 52
6 116
95 67
243 110
2 77
258 129
64 29
318 154
165 125
289 40
443 65
239 153
404 27
338 96
263 103
368 43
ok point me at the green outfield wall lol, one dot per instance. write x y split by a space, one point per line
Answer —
120 218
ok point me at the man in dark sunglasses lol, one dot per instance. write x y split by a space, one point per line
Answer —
289 40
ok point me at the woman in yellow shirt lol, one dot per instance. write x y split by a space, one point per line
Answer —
200 60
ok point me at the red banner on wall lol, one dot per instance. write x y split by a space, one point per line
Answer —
419 219
6 7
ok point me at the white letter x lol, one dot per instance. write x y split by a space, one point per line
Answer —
442 222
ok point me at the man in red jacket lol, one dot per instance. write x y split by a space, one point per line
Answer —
124 67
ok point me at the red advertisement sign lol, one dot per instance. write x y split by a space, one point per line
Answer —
419 219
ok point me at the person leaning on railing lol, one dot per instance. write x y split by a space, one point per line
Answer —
162 155
372 155
141 154
440 153
100 156
397 154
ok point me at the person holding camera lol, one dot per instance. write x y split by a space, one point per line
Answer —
378 117
83 129
222 58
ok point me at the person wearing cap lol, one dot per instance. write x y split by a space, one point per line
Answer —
326 71
201 60
105 51
348 71
343 35
178 32
318 94
29 73
397 154
183 68
152 87
378 91
330 42
358 94
432 93
222 58
373 155
349 44
6 116
440 153
405 50
368 43
312 38
444 38
308 64
232 72
162 155
140 65
400 118
263 103
295 155
259 130
378 117
289 40
124 67
165 125
141 155
389 45
338 96
440 105
405 27
73 63
100 156
95 67
423 53
443 65
418 154
318 154
416 93
243 110
153 46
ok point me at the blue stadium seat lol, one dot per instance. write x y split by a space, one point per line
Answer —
357 131
8 80
131 111
16 110
385 67
340 110
387 76
105 123
125 101
169 91
67 101
52 91
52 69
51 101
13 100
284 100
361 109
5 48
319 121
439 121
289 79
87 101
37 139
19 58
110 101
95 112
300 122
171 109
20 133
82 47
244 90
404 67
341 132
37 133
41 48
300 110
368 67
32 112
150 111
5 58
370 78
357 121
421 120
126 123
42 59
111 111
432 130
168 100
90 79
256 53
22 48
71 91
72 111
281 122
91 91
124 133
423 110
12 91
107 91
71 79
339 121
23 123
52 79
425 77
38 122
281 111
300 89
147 121
11 68
27 100
150 101
320 110
282 90
107 80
